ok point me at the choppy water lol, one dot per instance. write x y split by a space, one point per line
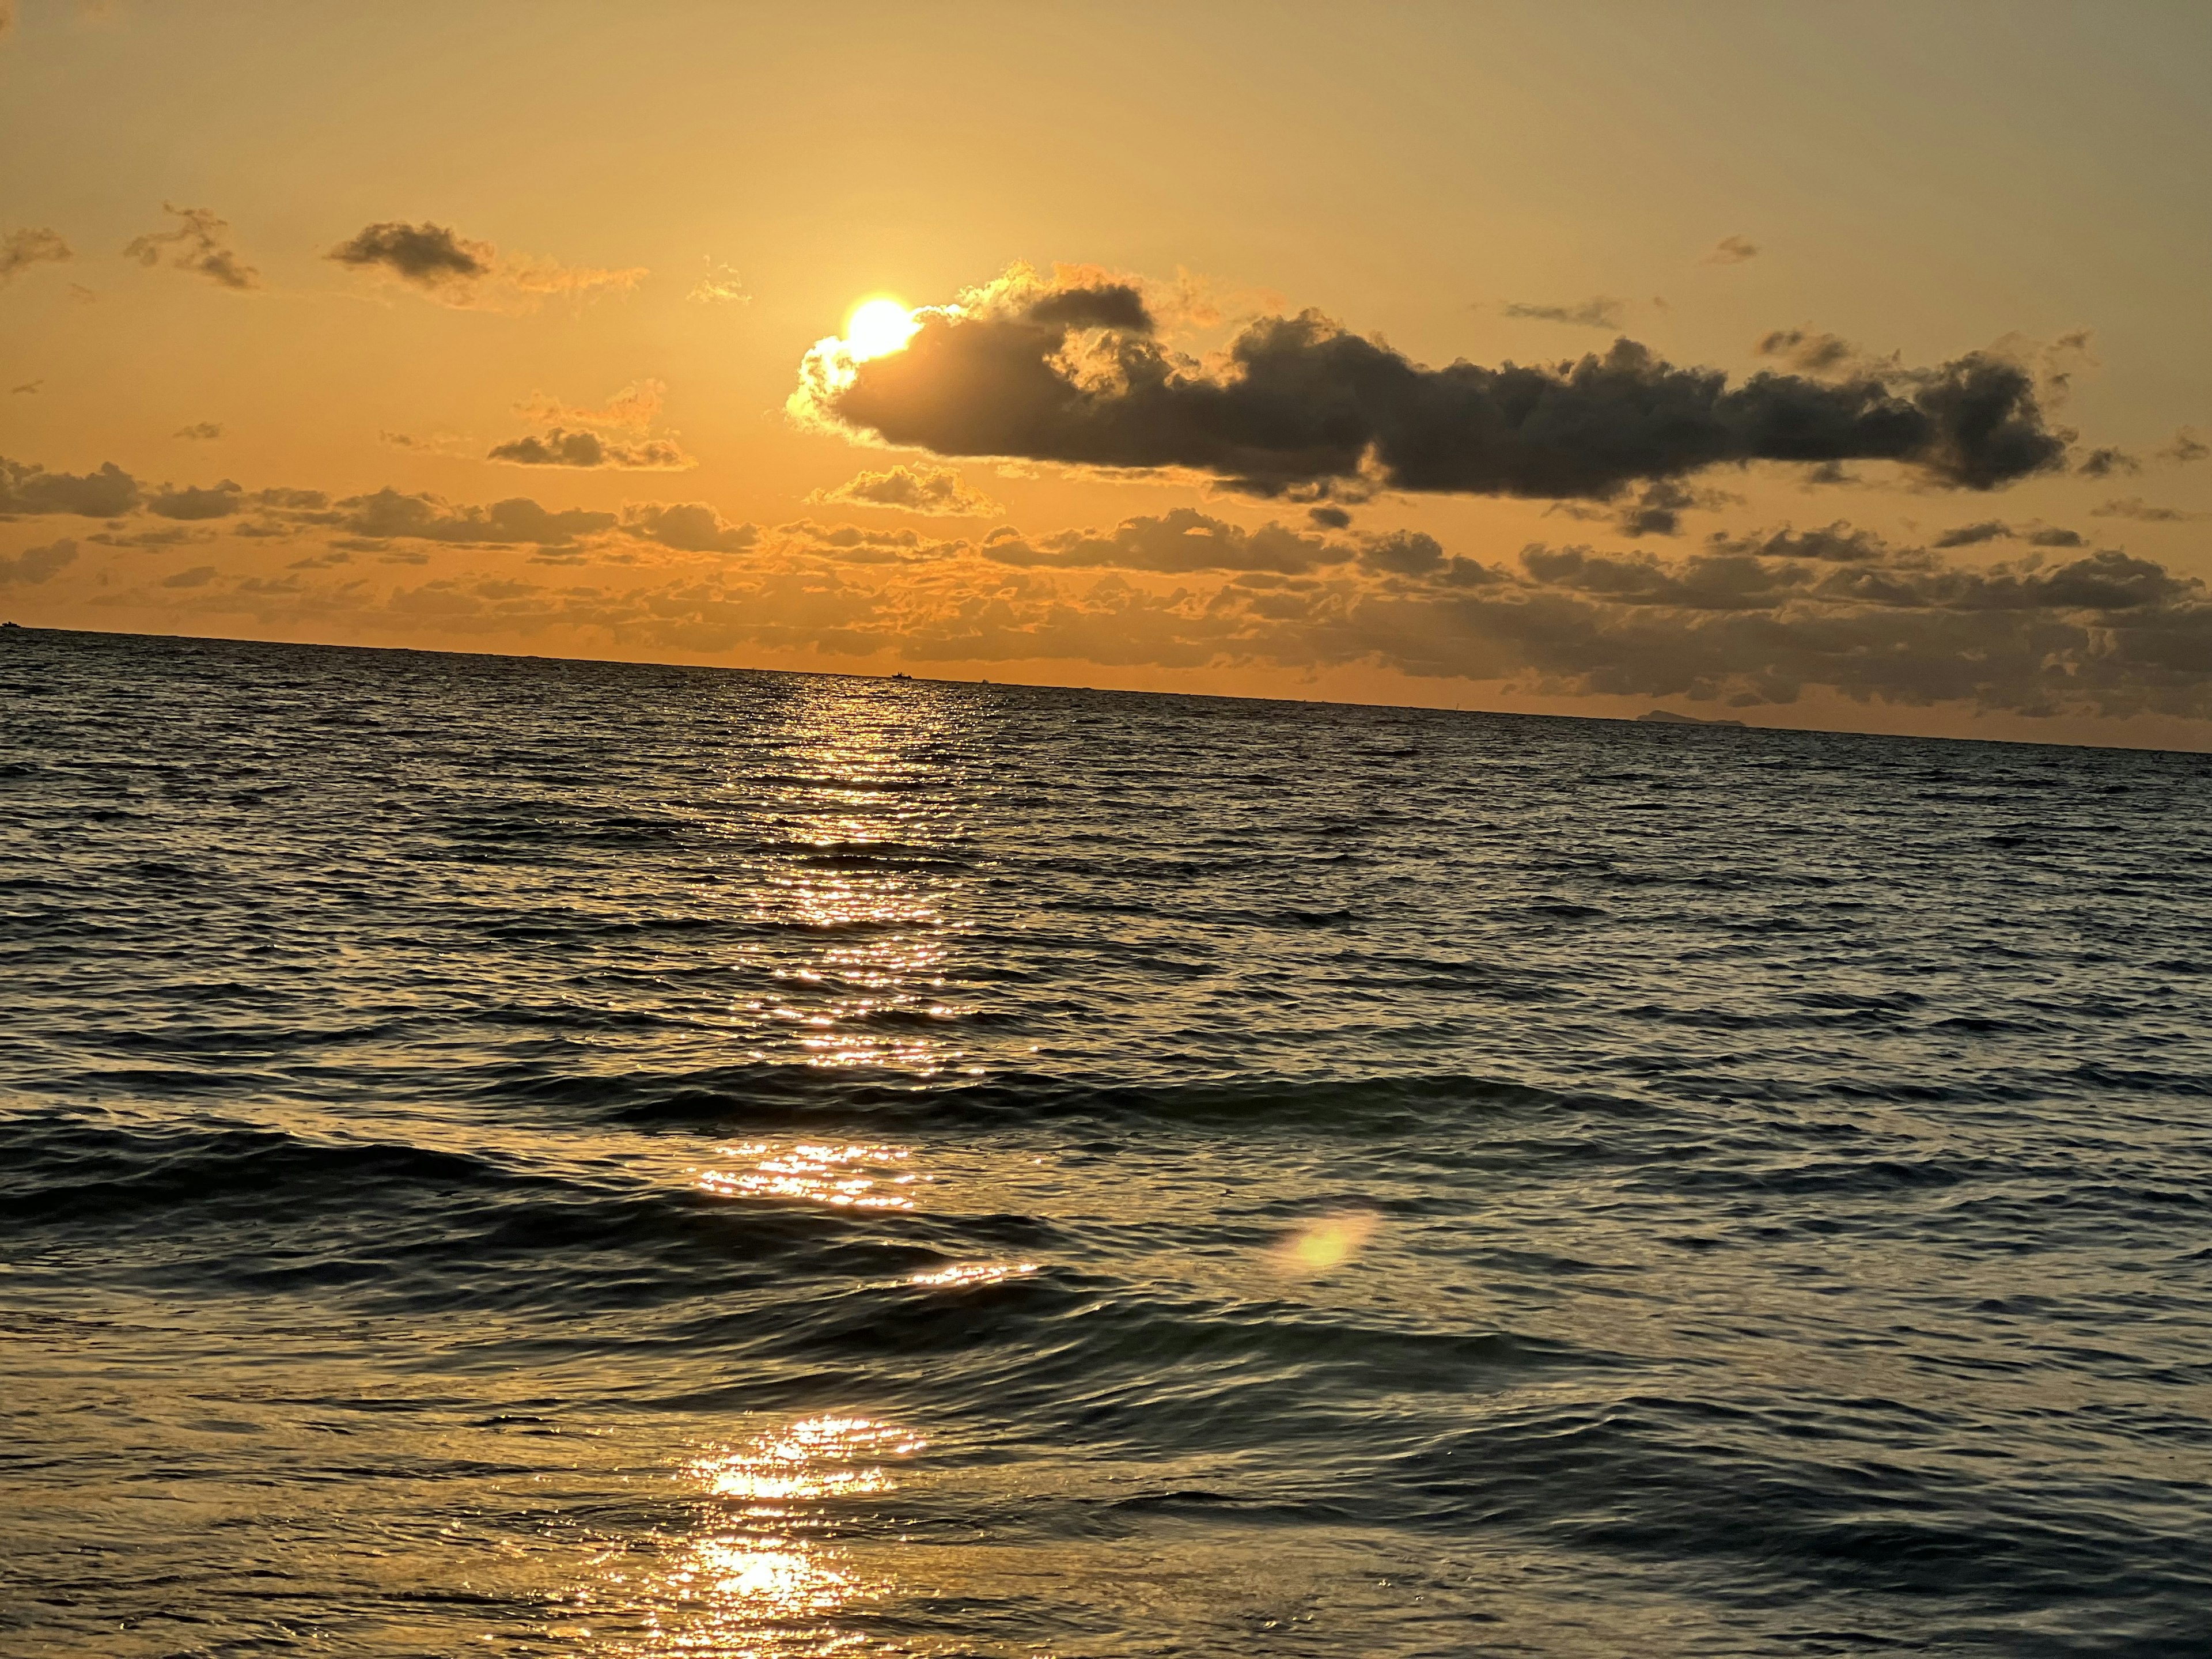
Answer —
504 1155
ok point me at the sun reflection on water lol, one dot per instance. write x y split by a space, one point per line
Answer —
764 1579
854 1177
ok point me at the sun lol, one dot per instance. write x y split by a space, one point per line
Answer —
877 327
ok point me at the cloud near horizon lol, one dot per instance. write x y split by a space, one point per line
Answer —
1750 619
1074 372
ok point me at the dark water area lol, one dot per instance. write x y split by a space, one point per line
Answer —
502 1156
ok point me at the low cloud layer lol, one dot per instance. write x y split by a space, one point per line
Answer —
37 564
441 264
200 243
1746 619
1043 371
924 489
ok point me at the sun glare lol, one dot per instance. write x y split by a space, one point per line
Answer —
877 327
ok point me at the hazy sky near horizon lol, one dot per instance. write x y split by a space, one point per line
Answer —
480 325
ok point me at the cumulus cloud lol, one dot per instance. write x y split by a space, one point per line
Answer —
1993 530
1180 540
389 515
188 502
37 564
584 448
1597 312
199 431
1732 251
27 488
924 489
200 243
618 435
1028 369
22 249
688 527
439 263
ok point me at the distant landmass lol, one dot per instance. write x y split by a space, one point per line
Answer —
1667 719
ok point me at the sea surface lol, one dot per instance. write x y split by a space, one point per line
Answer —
501 1156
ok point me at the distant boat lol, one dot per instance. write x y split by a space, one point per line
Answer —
1663 717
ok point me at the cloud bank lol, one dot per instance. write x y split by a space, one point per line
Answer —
1297 406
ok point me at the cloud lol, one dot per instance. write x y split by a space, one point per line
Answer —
199 576
1598 312
577 437
1329 518
721 285
439 263
389 515
1732 251
582 448
200 243
688 527
426 254
37 564
174 535
1993 530
2188 446
216 502
1296 405
1180 540
26 487
1809 351
28 386
199 431
924 489
2107 463
2134 507
22 249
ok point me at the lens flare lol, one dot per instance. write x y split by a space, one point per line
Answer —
1326 1242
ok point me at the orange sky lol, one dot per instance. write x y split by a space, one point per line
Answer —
479 326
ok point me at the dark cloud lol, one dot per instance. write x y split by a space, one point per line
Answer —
175 534
199 431
579 447
389 515
200 243
26 487
688 527
1182 539
216 502
1329 518
924 489
2188 446
2107 463
37 564
22 249
427 254
437 261
1810 352
2134 507
1105 305
1597 312
197 576
1301 407
1732 251
1995 530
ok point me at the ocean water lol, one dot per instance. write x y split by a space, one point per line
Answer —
501 1156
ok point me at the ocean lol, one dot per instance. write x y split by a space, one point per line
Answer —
501 1156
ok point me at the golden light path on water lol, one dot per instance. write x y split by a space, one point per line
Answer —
763 1576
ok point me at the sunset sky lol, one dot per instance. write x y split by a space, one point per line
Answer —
528 328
